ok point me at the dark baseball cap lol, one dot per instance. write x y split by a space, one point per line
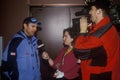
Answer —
33 20
103 4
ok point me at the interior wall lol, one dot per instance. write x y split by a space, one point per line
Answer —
11 13
54 21
0 50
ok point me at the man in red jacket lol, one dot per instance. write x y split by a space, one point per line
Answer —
99 48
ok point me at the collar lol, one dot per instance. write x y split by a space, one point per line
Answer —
102 23
21 32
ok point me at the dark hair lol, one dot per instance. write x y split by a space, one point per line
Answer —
101 4
73 34
70 31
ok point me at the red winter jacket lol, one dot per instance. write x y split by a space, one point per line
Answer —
103 61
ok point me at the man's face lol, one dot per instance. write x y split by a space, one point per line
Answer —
30 29
93 14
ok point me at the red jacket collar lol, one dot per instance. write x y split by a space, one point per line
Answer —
103 22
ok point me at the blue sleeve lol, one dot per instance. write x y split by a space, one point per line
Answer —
11 58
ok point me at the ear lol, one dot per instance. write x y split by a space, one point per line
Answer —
98 11
72 39
25 25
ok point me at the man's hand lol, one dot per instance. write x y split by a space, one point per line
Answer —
83 24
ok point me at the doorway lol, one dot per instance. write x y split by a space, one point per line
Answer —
54 20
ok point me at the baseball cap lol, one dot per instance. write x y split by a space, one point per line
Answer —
32 20
103 4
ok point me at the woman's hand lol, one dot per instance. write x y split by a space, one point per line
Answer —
58 74
45 55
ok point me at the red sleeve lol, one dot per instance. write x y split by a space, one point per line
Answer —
58 59
87 42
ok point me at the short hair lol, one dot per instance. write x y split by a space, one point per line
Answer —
101 4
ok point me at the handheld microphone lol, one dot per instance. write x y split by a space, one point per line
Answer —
41 46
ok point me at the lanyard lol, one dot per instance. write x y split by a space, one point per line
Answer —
66 52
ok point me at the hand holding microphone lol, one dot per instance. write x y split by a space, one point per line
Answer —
40 47
45 55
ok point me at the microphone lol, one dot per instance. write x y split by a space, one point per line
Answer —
41 46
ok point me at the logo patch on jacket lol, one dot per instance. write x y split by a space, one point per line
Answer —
12 53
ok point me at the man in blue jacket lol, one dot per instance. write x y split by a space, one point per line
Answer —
20 59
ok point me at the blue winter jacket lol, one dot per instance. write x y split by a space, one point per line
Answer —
20 58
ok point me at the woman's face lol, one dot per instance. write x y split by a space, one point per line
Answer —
67 39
